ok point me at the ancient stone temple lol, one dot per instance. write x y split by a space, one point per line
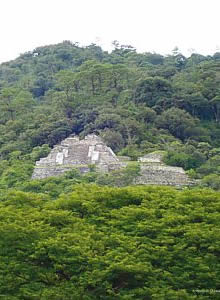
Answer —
81 154
73 152
154 171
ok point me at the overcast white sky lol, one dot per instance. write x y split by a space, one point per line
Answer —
148 25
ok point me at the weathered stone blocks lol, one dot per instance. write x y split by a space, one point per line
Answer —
154 171
73 152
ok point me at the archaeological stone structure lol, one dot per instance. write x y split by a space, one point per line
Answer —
73 152
154 171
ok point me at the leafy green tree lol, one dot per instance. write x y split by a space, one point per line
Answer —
113 139
215 102
177 121
211 166
184 160
151 90
40 151
7 97
212 181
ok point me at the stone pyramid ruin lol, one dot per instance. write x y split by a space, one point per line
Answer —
73 152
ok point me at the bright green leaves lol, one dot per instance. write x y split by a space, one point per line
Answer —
15 102
109 243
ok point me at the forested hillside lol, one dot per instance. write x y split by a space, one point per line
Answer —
81 236
138 102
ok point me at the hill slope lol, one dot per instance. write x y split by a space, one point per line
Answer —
138 102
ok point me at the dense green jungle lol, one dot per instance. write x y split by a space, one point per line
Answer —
96 236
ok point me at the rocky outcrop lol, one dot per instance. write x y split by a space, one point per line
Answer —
73 152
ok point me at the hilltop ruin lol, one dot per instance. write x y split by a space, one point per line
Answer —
154 171
81 154
73 152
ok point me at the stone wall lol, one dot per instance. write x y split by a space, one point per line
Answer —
162 175
154 171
